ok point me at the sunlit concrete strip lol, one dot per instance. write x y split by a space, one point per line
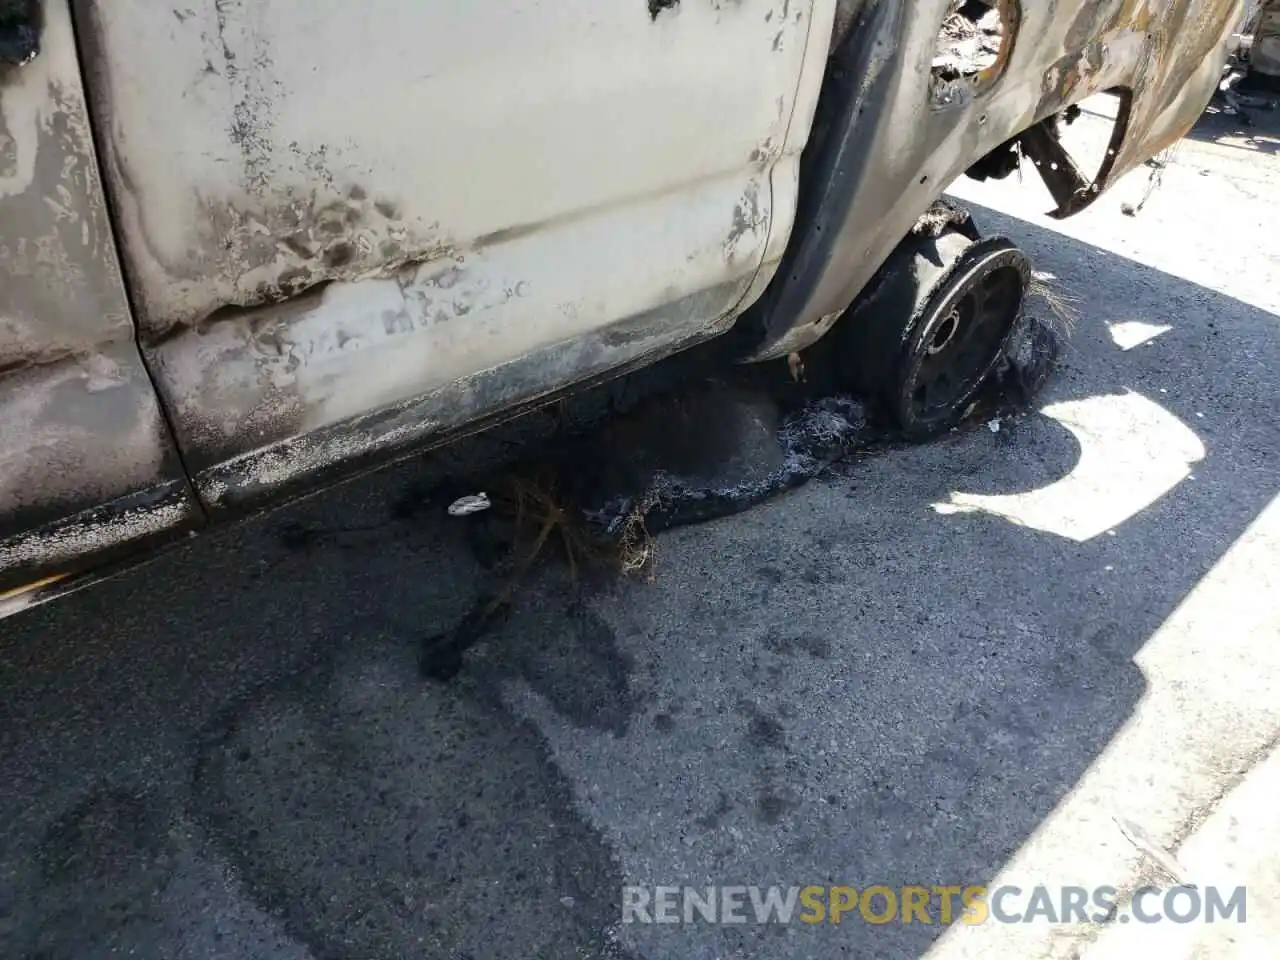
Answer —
1132 452
1210 713
1238 845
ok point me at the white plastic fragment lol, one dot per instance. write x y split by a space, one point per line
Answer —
472 503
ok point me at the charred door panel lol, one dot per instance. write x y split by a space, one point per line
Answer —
86 461
351 227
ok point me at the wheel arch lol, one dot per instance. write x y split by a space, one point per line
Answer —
883 149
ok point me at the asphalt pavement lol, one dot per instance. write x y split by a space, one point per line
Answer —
1041 650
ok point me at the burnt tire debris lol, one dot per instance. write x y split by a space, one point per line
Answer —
740 435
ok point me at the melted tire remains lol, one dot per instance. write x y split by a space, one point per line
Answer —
940 315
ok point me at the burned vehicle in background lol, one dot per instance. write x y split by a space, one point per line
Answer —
248 248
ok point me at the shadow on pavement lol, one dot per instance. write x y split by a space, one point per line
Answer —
231 752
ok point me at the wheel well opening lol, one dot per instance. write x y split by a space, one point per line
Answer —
1073 150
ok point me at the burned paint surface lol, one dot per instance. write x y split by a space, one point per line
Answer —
750 223
62 293
299 215
87 538
334 258
251 379
286 163
886 147
294 463
79 422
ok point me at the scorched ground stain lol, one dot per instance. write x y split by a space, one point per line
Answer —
641 467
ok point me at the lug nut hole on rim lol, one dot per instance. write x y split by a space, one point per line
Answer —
946 332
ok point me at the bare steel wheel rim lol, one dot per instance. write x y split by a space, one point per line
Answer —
963 332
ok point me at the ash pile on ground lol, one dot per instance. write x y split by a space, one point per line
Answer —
714 451
728 441
726 445
1033 353
715 447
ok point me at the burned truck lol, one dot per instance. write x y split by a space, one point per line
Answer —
249 247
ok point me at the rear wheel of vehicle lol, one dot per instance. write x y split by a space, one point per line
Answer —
933 325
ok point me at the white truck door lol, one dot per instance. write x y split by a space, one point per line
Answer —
351 226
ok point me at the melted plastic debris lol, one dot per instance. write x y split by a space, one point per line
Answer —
1035 350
